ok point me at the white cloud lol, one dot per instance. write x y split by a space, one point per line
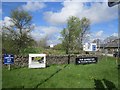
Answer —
6 22
55 41
96 35
99 33
97 12
33 6
115 34
42 31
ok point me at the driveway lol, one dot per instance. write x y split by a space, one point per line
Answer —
111 55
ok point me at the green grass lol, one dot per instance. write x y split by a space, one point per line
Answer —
59 76
41 50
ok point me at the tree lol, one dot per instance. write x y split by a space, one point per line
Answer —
19 30
74 33
58 47
71 33
43 42
85 27
65 39
98 41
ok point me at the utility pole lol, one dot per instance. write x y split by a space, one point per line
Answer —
118 62
69 46
112 3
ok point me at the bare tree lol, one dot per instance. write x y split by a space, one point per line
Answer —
85 27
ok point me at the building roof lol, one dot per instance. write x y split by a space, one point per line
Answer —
113 44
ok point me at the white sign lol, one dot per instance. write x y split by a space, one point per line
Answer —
90 47
37 60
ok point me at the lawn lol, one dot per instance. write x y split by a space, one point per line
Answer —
42 50
103 74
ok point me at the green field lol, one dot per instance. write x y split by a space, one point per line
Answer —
104 74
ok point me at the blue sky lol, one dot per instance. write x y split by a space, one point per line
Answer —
49 18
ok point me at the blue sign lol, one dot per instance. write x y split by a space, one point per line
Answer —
93 47
8 59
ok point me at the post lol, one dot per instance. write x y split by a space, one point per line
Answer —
118 34
69 46
8 66
118 62
103 51
106 52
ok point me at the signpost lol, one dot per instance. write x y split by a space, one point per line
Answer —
110 4
86 60
8 59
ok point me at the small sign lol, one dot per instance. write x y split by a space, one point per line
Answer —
8 59
86 60
94 47
37 60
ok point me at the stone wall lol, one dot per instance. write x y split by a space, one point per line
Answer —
56 59
22 61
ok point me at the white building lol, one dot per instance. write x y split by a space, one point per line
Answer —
90 47
51 46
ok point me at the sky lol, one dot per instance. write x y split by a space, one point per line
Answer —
49 18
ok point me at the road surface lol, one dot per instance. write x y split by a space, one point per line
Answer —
111 55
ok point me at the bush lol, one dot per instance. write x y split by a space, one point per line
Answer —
28 50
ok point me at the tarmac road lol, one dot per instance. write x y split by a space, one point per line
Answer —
111 55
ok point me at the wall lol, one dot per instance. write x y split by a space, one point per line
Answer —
22 61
